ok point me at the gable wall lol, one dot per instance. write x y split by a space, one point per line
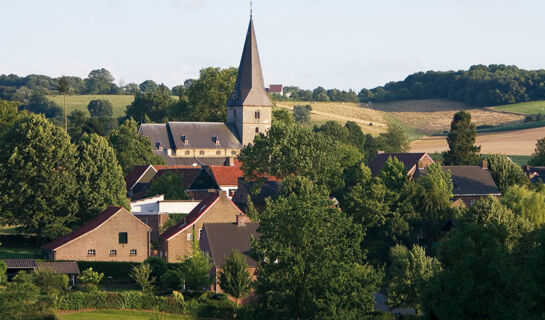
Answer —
106 237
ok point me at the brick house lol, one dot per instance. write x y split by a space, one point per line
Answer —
413 162
471 183
176 241
113 235
226 177
220 239
269 188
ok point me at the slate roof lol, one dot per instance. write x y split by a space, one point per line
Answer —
85 228
270 188
156 132
225 237
134 175
20 263
201 134
199 210
226 176
65 267
471 180
409 160
249 87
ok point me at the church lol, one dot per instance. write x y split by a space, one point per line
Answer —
249 113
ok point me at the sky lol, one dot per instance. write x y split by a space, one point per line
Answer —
345 44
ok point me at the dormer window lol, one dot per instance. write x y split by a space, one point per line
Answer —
216 140
456 186
158 144
185 139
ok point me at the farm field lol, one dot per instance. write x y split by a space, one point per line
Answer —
122 315
433 116
530 107
518 142
80 102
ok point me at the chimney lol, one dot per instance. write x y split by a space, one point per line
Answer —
242 220
485 164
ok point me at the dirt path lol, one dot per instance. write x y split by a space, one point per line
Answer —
338 117
517 142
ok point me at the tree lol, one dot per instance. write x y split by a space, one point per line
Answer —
100 108
152 103
64 87
301 113
292 150
538 158
8 115
148 85
99 81
37 179
196 268
410 271
319 94
170 184
505 172
526 203
41 105
130 148
99 176
310 260
234 277
461 141
281 116
20 299
207 96
3 270
142 275
90 279
158 266
394 139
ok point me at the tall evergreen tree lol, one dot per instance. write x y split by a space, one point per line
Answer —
37 177
461 141
100 178
235 277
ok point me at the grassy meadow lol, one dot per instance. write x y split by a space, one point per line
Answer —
122 315
80 102
530 107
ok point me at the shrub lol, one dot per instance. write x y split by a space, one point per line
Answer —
3 269
172 279
116 270
158 266
142 275
90 279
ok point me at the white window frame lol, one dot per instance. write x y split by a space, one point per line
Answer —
91 252
133 252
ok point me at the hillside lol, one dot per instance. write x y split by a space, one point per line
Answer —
80 102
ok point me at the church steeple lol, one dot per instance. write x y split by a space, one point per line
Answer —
249 88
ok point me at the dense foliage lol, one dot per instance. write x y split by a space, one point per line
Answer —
461 141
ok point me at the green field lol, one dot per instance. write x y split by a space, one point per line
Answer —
80 102
8 252
530 107
123 315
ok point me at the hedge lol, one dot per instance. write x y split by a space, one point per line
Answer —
136 300
116 270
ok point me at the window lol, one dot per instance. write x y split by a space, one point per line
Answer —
233 152
257 115
132 252
218 152
215 139
113 253
184 139
123 238
256 130
189 236
91 252
158 144
201 152
188 152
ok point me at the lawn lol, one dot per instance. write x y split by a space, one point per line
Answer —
10 252
122 315
530 107
80 102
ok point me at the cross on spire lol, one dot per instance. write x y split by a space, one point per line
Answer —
251 8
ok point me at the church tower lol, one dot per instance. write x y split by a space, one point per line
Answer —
249 108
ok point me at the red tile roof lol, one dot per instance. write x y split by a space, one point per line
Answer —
88 226
226 176
134 175
191 218
173 166
275 88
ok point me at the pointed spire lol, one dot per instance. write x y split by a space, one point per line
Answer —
249 88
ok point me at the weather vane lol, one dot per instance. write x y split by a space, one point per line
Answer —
251 8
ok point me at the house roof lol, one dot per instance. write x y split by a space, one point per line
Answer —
226 176
226 237
188 174
20 263
535 173
275 88
249 87
198 211
157 132
66 267
269 189
409 160
471 180
134 175
203 135
87 227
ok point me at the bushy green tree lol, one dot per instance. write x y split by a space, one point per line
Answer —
100 178
169 184
172 279
301 113
79 124
538 157
20 299
461 141
153 104
8 115
196 268
130 148
148 85
158 266
280 115
394 139
526 203
141 274
235 278
3 270
37 177
505 172
90 279
410 272
39 104
100 81
100 108
300 231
